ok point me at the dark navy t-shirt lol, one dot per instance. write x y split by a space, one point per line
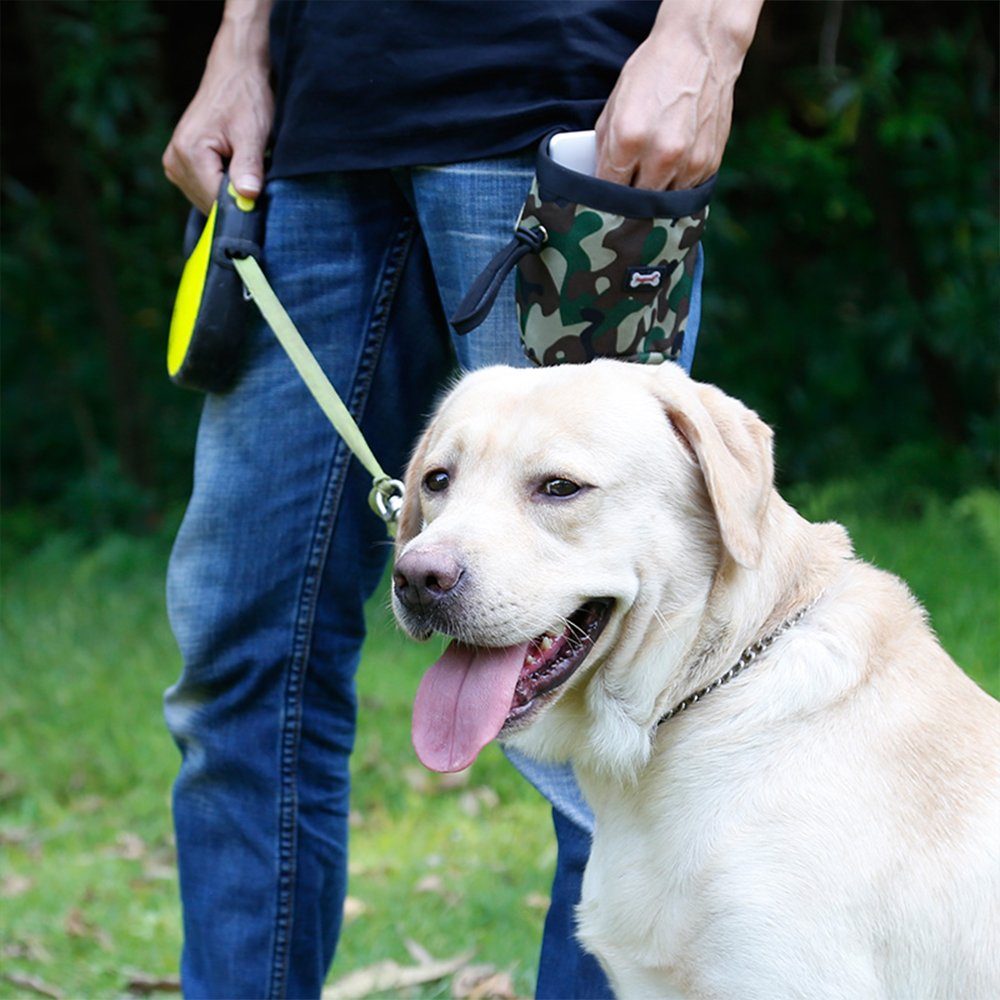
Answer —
371 84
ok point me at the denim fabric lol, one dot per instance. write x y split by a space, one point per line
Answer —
278 552
568 972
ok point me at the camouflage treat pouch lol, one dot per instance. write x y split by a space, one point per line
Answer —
603 270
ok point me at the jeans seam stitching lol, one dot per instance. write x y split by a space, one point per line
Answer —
291 726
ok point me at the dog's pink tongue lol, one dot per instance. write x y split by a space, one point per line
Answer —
463 702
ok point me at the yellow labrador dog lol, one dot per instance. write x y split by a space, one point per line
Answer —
795 788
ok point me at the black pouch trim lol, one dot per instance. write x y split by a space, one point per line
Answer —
560 184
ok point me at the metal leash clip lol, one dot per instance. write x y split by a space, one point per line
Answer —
386 499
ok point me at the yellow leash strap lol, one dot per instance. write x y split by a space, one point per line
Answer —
386 495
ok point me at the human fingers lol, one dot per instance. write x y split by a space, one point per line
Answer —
195 166
229 119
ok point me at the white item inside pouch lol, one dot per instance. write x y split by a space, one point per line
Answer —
575 151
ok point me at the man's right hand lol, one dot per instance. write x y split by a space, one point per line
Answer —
231 114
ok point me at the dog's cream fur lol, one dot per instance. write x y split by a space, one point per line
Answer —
827 824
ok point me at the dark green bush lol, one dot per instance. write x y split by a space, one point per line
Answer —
852 291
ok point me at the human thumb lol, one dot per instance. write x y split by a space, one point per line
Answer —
246 171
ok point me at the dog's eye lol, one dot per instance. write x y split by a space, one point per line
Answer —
559 487
436 481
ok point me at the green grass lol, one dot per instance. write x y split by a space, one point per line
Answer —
87 896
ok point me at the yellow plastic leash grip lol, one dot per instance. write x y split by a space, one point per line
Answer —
211 314
189 295
243 203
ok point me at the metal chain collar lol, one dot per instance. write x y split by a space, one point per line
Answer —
746 658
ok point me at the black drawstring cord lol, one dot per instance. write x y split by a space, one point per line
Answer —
478 301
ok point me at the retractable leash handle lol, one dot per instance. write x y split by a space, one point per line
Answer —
222 276
207 328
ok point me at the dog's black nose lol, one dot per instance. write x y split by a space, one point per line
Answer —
423 577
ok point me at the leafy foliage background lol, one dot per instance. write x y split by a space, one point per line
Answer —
851 291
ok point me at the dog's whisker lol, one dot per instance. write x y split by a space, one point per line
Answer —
668 630
566 623
536 625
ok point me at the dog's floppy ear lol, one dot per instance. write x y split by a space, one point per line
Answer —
733 447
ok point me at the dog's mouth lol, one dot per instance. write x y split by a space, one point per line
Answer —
553 658
472 694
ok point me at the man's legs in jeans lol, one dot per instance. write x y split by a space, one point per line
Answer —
277 554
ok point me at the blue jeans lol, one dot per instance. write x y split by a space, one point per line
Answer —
279 551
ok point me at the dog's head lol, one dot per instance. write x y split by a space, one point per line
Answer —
561 525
